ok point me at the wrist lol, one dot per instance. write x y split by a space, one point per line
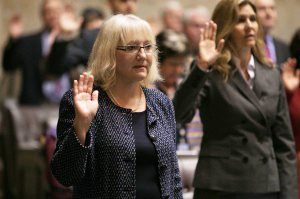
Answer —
81 128
202 65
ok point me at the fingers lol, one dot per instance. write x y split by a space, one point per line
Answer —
90 84
75 88
298 73
289 65
201 35
85 82
210 31
95 95
206 30
80 84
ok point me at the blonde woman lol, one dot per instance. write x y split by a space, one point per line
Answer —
248 147
116 137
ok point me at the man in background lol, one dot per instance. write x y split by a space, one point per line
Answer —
276 49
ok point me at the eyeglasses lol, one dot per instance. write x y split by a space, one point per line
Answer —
149 48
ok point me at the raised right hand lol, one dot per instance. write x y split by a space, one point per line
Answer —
15 26
208 53
290 75
86 104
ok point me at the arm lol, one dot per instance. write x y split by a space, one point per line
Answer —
290 77
75 131
284 148
9 55
185 96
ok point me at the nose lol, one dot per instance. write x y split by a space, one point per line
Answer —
248 23
179 69
141 53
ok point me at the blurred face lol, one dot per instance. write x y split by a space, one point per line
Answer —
245 31
173 20
123 6
52 11
132 61
192 29
94 24
171 69
267 14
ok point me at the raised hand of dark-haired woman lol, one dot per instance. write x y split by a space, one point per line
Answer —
208 50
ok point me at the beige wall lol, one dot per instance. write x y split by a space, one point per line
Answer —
288 11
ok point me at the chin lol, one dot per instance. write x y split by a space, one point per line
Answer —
251 44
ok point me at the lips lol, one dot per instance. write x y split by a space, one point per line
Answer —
139 66
250 36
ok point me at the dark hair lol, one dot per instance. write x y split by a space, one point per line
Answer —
91 14
295 47
170 44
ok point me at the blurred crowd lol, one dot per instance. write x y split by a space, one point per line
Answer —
47 61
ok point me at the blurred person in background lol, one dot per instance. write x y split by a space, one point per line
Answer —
276 49
248 148
171 14
123 6
291 80
116 137
92 18
30 52
193 20
73 52
172 56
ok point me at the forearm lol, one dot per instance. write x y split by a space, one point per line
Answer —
70 159
186 95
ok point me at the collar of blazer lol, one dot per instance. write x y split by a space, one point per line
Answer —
252 95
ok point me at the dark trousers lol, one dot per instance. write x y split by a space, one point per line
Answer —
211 194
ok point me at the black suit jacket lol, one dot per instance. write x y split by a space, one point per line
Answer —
282 51
26 54
66 55
248 145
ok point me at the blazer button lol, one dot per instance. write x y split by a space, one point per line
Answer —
245 159
265 160
153 138
244 140
243 121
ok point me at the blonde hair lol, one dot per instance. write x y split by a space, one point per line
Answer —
225 16
119 30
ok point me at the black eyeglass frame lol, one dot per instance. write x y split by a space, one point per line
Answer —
127 48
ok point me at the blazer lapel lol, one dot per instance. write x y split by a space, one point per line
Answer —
258 80
242 86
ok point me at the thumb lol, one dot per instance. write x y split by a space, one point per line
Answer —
220 45
298 73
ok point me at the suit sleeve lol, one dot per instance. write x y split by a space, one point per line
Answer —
284 148
186 96
70 158
10 55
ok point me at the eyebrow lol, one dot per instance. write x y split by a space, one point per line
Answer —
136 42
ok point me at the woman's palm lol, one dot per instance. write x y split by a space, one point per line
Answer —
85 106
85 100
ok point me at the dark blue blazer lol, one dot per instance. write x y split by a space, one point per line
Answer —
105 166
